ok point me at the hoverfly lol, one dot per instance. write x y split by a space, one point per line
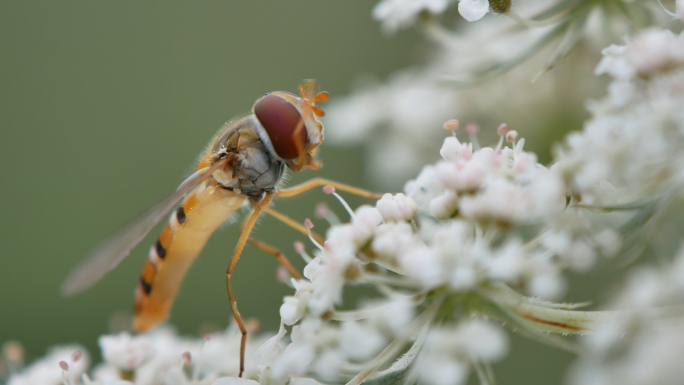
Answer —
244 162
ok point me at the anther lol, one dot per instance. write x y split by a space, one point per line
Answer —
502 129
309 225
512 136
452 125
328 190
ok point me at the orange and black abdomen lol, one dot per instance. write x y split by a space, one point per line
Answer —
180 242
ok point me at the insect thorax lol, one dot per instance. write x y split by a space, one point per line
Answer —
251 169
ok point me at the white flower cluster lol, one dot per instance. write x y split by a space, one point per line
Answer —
636 134
393 119
477 219
485 192
643 343
451 235
634 140
48 370
157 358
449 350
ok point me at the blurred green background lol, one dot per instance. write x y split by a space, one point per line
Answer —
104 108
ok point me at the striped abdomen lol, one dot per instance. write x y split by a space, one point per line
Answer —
180 242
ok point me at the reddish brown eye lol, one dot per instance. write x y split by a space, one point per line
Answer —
280 119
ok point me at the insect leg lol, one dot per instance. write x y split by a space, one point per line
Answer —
317 182
247 228
276 253
294 224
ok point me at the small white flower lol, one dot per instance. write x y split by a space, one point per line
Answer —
267 353
294 308
396 208
437 370
298 355
464 278
360 341
582 256
508 263
549 286
289 310
363 225
392 316
425 187
473 10
614 63
462 176
445 205
422 264
482 340
125 351
391 238
340 240
453 150
500 201
655 50
106 374
450 149
329 364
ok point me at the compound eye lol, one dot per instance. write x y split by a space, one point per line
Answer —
280 120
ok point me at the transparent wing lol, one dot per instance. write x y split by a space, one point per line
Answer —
108 254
